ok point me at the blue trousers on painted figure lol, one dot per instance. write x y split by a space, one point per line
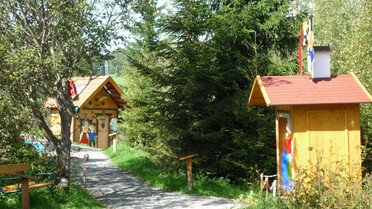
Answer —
286 182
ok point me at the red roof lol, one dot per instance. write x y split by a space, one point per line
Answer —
300 90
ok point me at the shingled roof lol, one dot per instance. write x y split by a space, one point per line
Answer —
300 90
87 87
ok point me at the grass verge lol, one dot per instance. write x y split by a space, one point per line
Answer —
84 145
42 198
144 167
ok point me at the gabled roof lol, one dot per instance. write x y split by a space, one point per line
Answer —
300 90
88 87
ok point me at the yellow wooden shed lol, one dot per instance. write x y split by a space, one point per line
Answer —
98 100
316 120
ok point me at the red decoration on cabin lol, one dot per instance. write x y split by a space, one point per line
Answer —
72 89
288 144
300 49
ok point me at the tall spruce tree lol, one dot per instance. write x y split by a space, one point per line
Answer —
195 79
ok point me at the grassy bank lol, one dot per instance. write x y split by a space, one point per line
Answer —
42 198
343 192
144 167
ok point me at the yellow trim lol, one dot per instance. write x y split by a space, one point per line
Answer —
263 91
94 92
361 86
108 79
258 83
116 86
277 145
250 96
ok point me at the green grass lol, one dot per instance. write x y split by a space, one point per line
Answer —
42 198
118 79
84 145
144 167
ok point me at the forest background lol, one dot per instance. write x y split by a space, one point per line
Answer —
188 70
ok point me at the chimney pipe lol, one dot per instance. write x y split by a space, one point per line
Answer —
322 64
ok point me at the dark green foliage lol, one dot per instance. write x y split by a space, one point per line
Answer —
190 76
366 134
14 150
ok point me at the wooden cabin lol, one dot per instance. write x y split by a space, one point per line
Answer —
317 120
97 101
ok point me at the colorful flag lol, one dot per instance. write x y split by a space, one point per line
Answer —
300 50
305 27
310 39
300 44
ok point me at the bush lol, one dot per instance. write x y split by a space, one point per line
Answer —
14 150
326 188
320 189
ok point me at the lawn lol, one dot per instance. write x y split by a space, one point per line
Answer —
119 80
144 167
42 198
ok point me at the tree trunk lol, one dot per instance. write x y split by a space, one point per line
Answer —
63 150
64 144
63 163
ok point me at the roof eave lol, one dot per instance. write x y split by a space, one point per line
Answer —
325 103
263 96
362 87
104 82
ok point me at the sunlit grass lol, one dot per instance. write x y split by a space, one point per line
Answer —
144 167
42 198
118 79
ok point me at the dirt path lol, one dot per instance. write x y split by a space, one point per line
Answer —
118 189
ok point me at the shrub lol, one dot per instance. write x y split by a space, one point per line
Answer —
14 150
329 188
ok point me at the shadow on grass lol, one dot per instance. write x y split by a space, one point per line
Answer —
144 167
42 198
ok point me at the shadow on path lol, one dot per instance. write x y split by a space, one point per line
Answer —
118 189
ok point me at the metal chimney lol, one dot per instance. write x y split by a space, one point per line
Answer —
322 61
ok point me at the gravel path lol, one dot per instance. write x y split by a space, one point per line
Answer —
118 189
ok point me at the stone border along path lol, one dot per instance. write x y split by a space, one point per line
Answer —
118 189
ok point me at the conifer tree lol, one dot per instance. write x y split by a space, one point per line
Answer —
194 79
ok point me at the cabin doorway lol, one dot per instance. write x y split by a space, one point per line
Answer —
284 150
103 131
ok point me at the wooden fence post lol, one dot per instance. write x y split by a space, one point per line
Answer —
112 137
262 183
114 144
86 158
25 194
267 187
189 170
